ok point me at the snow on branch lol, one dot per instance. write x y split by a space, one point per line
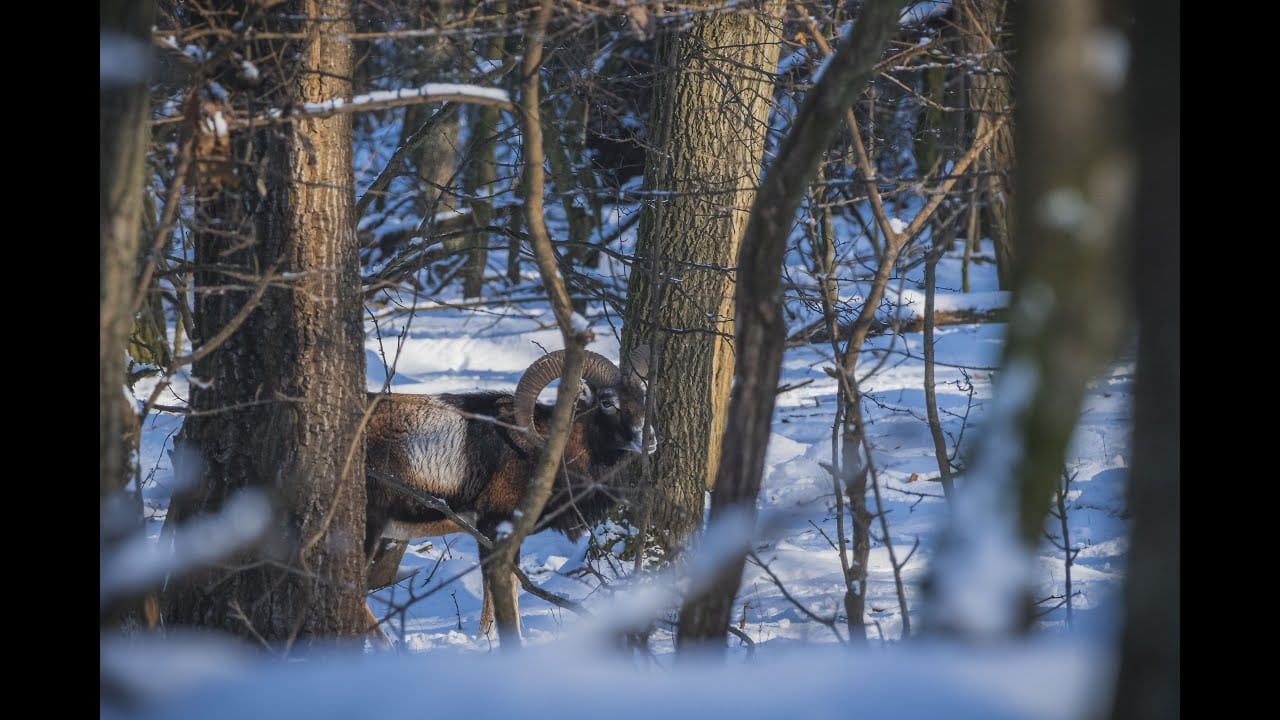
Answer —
922 12
431 92
376 100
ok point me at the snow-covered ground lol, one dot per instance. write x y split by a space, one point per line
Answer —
794 660
445 352
197 678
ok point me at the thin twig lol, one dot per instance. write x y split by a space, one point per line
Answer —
388 173
930 392
432 502
888 541
232 325
751 644
238 613
171 203
828 622
1066 541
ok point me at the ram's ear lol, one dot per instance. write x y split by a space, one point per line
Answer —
586 396
635 368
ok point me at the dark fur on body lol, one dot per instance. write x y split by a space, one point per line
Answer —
495 464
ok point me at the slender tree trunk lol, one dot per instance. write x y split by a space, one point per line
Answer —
481 174
122 138
1151 646
435 158
572 186
824 268
707 124
285 392
930 390
983 29
856 472
925 143
515 220
704 618
1067 313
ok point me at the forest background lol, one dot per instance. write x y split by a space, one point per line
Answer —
908 274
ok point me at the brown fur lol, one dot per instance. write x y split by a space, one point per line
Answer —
497 464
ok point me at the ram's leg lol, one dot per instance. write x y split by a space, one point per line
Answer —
486 607
488 525
486 610
515 597
382 557
381 572
376 634
384 567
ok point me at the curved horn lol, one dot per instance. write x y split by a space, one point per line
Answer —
597 370
535 377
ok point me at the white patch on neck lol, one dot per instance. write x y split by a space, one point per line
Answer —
436 452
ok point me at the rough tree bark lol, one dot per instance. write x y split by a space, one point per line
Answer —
122 138
707 127
282 398
704 618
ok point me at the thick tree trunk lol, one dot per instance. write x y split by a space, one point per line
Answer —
707 125
285 393
704 618
1151 650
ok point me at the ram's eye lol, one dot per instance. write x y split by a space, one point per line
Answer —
607 404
